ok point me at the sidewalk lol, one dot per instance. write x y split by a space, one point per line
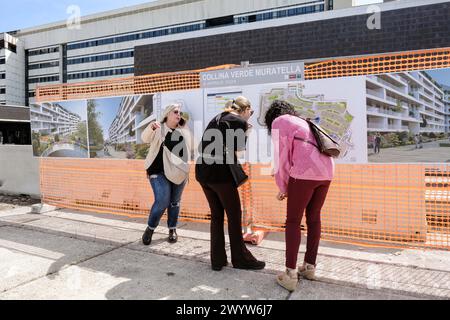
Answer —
64 254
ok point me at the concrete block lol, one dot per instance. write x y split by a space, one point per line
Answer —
42 208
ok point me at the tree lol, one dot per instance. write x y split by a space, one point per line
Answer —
82 133
94 127
36 137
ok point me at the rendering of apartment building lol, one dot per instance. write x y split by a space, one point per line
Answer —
51 118
135 112
447 108
407 101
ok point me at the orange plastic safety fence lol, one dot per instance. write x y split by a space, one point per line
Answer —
390 205
124 86
402 205
398 204
112 186
377 64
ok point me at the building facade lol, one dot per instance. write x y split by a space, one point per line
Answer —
102 46
447 107
12 70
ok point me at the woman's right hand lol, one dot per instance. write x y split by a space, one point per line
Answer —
155 125
281 196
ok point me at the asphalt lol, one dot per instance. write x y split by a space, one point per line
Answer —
66 254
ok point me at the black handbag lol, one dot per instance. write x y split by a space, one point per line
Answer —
238 174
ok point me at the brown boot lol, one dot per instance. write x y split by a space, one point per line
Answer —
307 271
288 279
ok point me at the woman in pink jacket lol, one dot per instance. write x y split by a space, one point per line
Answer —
303 175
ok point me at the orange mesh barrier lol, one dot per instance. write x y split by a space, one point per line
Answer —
124 86
388 205
376 64
112 186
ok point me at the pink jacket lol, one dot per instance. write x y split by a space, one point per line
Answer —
296 158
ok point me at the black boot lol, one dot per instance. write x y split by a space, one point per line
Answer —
147 237
219 267
251 265
173 237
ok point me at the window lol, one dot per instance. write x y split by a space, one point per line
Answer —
2 90
2 61
282 14
104 57
221 21
2 75
44 79
136 36
100 73
44 65
330 4
268 16
31 94
11 47
252 18
43 51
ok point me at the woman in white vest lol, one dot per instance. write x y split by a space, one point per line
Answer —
167 168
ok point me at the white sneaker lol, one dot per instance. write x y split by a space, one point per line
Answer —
307 271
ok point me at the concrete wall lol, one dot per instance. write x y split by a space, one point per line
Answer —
342 4
19 170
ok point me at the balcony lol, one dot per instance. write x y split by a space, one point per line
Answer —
390 85
375 93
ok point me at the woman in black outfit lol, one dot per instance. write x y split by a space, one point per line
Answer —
225 135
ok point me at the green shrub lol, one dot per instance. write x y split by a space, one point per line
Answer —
390 140
141 150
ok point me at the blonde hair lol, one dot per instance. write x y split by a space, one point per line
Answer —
240 104
168 110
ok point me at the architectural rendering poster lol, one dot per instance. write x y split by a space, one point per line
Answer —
382 118
59 129
115 126
408 117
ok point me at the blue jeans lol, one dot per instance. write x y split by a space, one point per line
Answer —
167 196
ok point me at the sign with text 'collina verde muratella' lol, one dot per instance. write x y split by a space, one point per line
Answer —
253 75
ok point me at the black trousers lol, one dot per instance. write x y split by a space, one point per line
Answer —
225 198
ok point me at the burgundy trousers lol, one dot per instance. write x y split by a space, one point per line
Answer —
309 196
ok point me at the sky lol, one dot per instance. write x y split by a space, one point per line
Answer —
30 13
77 106
442 76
